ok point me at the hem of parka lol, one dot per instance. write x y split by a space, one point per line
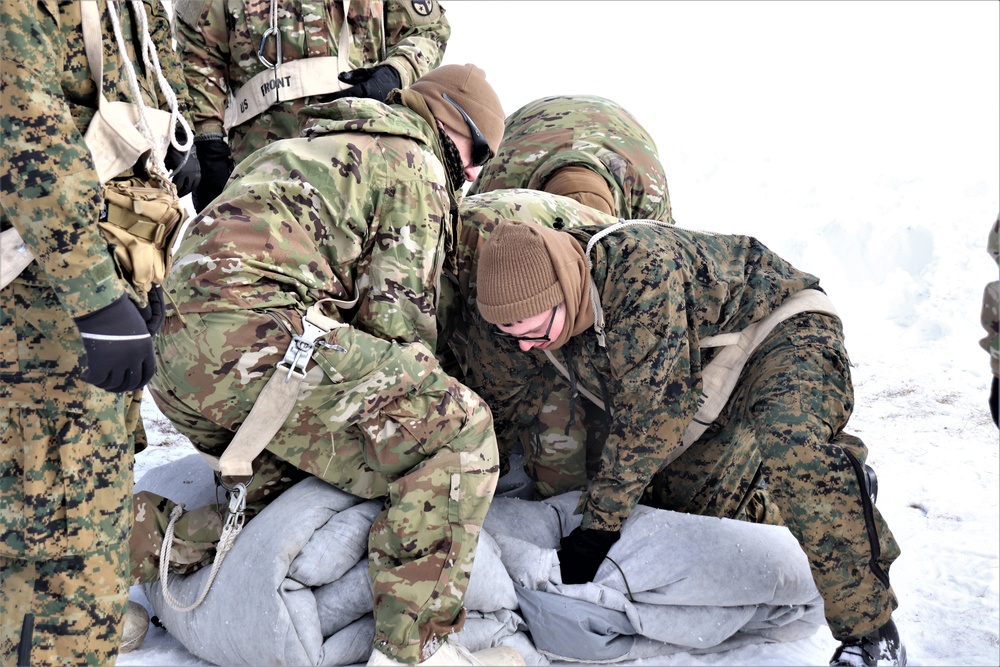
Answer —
77 603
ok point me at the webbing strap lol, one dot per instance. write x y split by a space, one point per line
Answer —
276 399
14 256
719 377
293 80
267 416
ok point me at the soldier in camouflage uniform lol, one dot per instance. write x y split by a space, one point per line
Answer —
224 44
584 147
991 322
661 294
358 210
592 150
65 450
550 430
561 433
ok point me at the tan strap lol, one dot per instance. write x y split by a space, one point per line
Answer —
113 135
14 256
277 399
267 416
305 77
719 377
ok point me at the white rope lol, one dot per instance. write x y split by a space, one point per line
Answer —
226 541
152 61
595 295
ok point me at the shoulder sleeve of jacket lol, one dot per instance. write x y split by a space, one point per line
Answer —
655 392
417 33
407 243
203 50
50 192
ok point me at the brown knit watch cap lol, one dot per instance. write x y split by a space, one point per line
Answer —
467 85
583 185
516 279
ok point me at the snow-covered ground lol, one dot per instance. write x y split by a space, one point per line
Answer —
862 142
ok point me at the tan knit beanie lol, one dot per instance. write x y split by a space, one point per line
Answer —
516 279
467 85
583 185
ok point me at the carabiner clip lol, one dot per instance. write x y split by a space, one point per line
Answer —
277 48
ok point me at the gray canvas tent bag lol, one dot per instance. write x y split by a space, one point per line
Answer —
294 589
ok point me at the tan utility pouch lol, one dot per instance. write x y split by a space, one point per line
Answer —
140 220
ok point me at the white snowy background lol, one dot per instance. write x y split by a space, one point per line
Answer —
861 141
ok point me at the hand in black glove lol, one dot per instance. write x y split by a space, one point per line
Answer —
187 173
374 82
185 168
582 553
119 348
217 164
154 314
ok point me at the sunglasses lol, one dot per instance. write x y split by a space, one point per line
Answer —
529 339
481 151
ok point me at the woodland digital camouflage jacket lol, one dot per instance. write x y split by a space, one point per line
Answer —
48 186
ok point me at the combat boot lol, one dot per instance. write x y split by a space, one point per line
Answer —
876 649
453 655
136 625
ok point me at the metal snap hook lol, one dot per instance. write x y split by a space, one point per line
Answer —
277 48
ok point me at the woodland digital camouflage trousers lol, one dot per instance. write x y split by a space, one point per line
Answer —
65 485
781 429
373 418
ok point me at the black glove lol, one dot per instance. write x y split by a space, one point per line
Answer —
187 174
185 168
374 82
217 164
119 348
154 313
582 553
995 400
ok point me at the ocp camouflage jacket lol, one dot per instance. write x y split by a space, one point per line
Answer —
586 131
356 208
219 39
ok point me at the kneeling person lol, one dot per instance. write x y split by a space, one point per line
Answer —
335 241
632 311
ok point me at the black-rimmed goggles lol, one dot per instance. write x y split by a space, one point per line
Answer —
481 151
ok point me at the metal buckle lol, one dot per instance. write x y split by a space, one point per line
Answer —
301 349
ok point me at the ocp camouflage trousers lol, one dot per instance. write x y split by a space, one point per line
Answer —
65 483
375 419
